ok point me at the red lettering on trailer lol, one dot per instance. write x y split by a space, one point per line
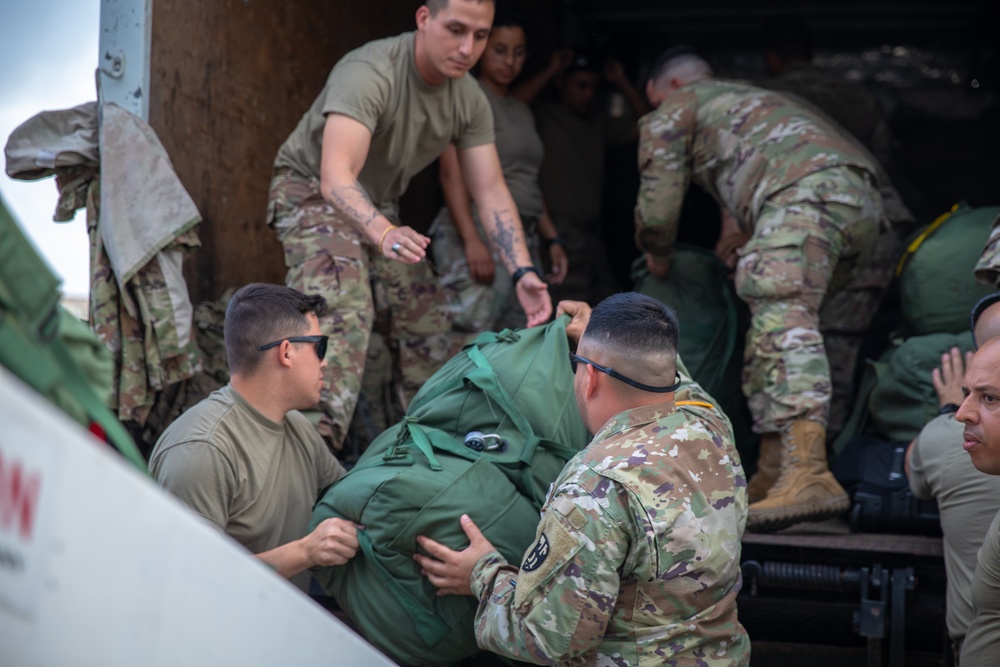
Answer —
19 491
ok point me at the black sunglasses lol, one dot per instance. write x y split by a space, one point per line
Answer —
575 358
319 343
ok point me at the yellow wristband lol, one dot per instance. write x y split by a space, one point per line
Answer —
384 234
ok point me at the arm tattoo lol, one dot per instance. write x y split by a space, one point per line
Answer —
353 206
504 238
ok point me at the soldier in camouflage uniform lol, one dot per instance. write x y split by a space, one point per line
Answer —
388 110
988 267
806 197
636 558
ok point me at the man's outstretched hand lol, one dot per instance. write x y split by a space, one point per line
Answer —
533 295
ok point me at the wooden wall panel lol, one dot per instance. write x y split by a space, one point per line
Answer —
230 79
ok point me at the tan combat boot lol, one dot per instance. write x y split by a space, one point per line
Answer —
768 467
805 490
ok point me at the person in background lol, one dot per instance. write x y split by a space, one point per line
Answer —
980 413
482 298
938 467
576 135
636 560
244 458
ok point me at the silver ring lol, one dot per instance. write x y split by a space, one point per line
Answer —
395 248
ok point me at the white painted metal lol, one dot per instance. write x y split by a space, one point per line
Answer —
123 67
98 566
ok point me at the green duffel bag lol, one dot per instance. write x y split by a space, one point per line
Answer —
937 285
697 289
486 436
903 398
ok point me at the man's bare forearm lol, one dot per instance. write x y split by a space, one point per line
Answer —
353 203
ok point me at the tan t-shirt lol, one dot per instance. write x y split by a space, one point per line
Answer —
255 479
967 499
411 121
982 643
521 151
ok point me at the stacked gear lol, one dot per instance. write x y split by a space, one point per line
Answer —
937 290
47 348
485 436
936 281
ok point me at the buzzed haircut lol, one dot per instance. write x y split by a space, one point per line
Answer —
677 55
437 5
260 313
633 323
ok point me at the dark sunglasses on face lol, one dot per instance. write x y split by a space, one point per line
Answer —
574 359
319 343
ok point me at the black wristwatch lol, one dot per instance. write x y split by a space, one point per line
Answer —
947 409
517 275
555 240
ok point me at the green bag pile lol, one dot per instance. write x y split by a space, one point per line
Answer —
903 399
513 388
937 284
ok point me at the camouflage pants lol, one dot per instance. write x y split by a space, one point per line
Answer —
326 255
813 275
474 307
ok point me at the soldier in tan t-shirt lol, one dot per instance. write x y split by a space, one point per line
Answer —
388 110
245 459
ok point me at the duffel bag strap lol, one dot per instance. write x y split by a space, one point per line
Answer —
485 378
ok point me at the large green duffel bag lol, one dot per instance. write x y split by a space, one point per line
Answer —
697 289
486 436
903 398
937 285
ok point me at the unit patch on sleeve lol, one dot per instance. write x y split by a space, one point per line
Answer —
537 555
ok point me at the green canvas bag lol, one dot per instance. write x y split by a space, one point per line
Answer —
515 390
903 399
45 347
697 289
937 285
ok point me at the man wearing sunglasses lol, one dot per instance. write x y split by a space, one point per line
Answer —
245 459
636 557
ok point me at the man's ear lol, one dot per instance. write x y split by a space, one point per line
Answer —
591 381
285 352
423 16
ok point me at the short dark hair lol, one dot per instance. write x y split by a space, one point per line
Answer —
437 5
260 313
630 322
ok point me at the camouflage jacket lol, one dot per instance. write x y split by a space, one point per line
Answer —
740 143
636 558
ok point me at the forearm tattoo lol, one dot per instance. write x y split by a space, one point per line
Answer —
506 237
356 205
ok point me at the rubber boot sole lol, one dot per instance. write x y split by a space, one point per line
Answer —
778 518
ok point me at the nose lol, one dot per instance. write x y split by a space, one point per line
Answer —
465 46
965 413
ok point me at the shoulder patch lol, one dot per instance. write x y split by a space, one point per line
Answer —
537 555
